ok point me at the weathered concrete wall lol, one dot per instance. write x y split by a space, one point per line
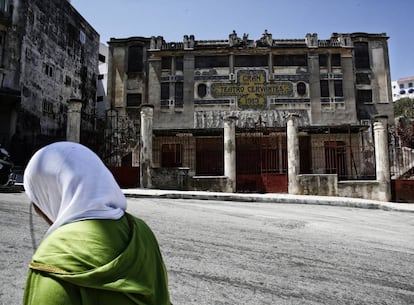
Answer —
209 183
328 185
170 178
53 55
322 185
360 189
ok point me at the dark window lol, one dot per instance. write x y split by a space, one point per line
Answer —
363 79
100 98
361 54
135 59
72 34
179 63
171 155
203 62
166 63
68 81
179 93
47 107
209 156
364 96
290 60
324 88
48 70
134 100
102 58
323 60
336 60
251 61
338 88
202 90
165 91
301 87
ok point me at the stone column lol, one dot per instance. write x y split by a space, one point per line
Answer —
293 153
74 120
147 112
230 152
382 160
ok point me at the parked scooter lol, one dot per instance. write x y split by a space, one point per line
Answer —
6 165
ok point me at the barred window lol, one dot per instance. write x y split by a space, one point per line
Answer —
203 62
47 107
290 60
251 61
171 155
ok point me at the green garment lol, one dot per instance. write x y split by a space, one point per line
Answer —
98 262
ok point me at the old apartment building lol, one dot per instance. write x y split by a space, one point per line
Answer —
48 56
220 108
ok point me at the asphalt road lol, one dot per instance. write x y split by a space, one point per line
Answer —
251 253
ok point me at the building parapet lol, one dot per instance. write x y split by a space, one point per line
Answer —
310 41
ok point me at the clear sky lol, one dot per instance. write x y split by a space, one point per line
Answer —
216 19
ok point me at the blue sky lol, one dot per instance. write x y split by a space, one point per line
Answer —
216 19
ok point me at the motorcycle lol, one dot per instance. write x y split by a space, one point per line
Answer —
7 177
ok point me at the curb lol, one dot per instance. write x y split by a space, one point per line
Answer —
276 198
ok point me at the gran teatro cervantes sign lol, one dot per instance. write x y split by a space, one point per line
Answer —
252 89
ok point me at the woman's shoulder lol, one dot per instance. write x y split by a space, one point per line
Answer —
84 244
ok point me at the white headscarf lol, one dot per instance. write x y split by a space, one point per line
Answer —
68 182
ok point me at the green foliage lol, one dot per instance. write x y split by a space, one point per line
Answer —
404 108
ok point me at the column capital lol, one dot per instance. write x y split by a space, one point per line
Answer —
75 105
144 106
380 117
380 122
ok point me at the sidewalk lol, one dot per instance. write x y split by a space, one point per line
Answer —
271 198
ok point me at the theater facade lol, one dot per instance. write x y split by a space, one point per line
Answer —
250 115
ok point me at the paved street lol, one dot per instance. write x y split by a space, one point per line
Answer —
223 252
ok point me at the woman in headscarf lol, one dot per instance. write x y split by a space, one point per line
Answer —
94 252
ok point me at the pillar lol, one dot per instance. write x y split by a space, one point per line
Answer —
230 152
382 160
74 120
147 112
293 153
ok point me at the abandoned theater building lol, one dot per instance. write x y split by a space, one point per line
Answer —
303 116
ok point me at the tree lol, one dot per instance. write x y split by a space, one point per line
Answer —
404 108
404 117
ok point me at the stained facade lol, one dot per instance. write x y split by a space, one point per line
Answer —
335 87
49 55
